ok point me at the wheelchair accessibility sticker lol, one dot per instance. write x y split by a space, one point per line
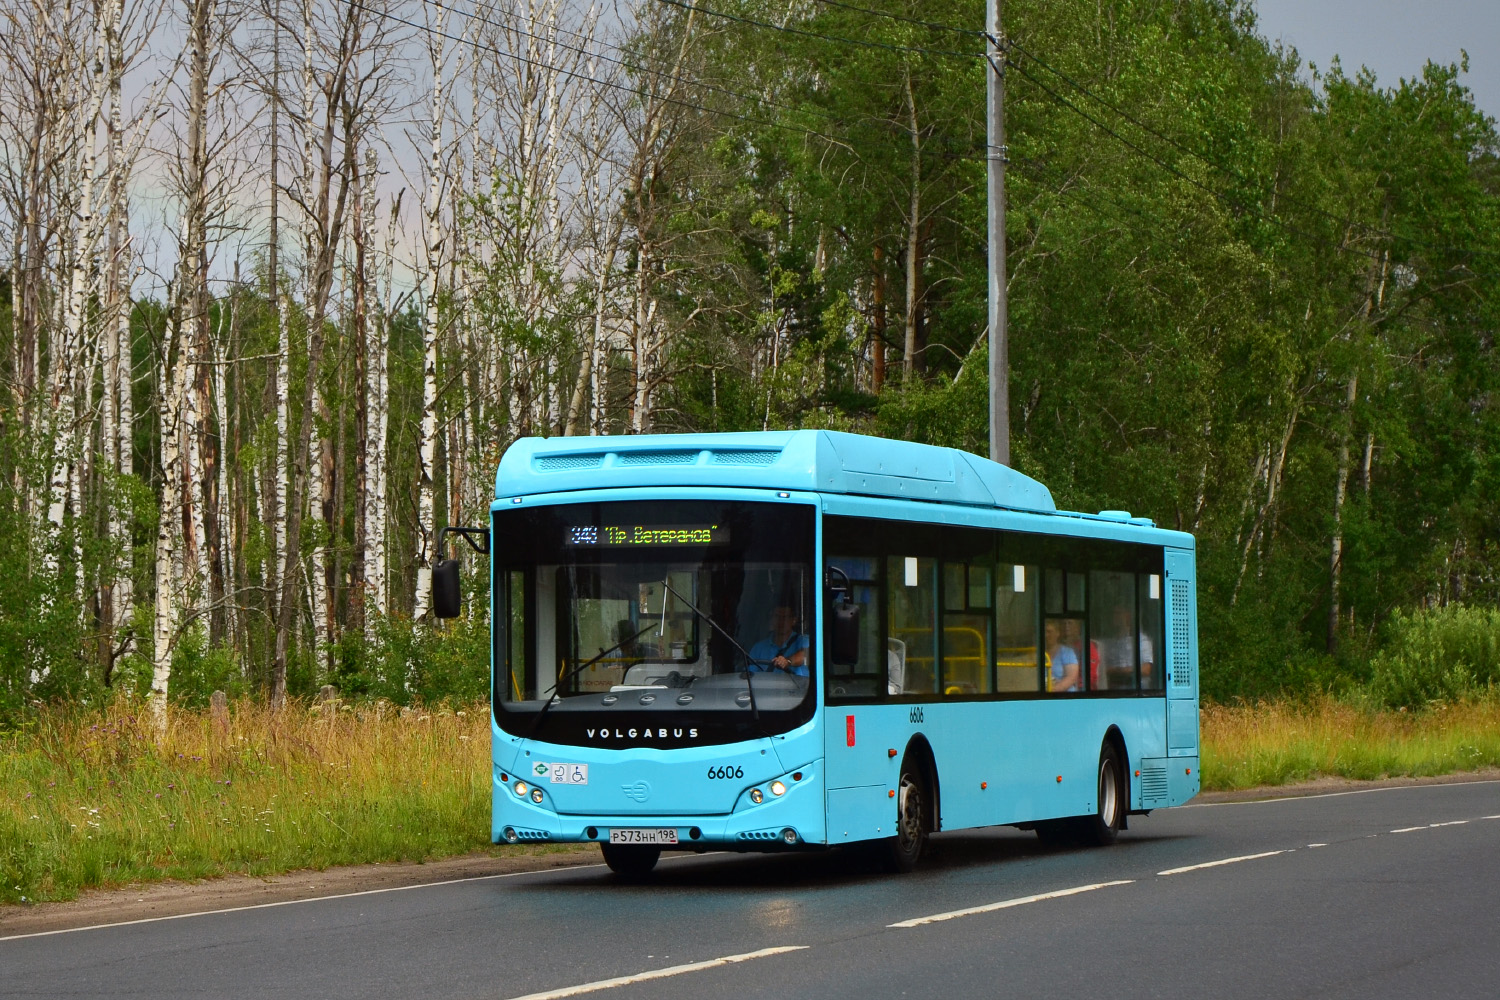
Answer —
562 774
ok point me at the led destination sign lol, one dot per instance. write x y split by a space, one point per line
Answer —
603 536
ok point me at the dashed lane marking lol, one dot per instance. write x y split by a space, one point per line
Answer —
1006 904
1221 861
675 970
1411 829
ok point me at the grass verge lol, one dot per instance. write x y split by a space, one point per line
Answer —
90 799
1249 746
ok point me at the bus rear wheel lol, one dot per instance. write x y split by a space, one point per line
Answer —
630 860
1103 828
904 850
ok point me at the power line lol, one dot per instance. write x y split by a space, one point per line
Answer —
1225 168
573 74
635 67
701 84
864 43
933 25
1169 168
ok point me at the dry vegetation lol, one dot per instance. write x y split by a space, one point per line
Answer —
1278 742
90 799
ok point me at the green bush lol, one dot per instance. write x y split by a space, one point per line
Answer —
198 670
1436 655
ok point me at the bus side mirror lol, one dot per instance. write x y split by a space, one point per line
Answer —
845 652
445 596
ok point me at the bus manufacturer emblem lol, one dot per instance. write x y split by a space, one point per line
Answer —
637 791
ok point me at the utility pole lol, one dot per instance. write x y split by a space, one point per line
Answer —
999 335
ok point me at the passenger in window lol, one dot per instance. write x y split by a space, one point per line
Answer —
784 648
1065 673
1118 650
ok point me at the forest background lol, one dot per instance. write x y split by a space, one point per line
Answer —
283 278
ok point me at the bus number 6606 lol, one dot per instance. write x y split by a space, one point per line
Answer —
726 771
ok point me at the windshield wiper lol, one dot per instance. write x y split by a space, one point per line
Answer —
553 697
749 684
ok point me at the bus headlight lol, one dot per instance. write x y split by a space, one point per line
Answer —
521 789
536 796
777 788
757 796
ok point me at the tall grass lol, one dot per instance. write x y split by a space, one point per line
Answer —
91 798
1279 742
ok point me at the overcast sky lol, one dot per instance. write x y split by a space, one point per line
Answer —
1394 38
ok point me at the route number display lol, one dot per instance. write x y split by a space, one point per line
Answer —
604 536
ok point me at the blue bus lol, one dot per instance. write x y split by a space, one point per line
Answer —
806 639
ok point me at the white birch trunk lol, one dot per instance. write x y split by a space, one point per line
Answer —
168 530
283 440
432 263
913 238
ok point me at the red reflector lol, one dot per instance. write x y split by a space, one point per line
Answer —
1059 779
849 729
983 785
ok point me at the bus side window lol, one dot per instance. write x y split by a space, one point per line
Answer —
911 594
1112 627
966 628
865 678
1149 595
1016 651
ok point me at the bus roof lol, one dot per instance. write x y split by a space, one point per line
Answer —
810 460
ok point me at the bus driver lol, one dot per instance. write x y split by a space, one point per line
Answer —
784 648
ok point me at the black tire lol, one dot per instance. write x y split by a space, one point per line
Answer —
902 852
630 860
1103 828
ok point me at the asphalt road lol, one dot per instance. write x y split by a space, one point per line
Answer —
1385 893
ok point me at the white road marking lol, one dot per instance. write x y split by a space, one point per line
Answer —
294 902
1007 904
675 970
1222 861
1317 845
340 895
1496 816
1451 822
1411 829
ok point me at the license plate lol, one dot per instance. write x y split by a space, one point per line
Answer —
632 835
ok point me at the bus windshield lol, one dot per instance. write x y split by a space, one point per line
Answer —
675 607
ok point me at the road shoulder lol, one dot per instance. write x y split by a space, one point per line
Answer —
1328 786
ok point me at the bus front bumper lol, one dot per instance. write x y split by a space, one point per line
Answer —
794 818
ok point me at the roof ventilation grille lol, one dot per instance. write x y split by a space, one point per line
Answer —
746 457
560 463
658 457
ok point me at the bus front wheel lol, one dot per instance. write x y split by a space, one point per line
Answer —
630 860
904 850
